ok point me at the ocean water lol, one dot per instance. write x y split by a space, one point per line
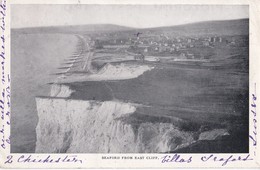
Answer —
34 58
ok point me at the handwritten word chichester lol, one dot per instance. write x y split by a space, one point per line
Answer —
47 159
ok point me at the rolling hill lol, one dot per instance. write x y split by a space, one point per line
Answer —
226 27
73 29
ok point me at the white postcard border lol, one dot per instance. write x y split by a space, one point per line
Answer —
95 160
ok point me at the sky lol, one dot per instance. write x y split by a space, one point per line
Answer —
137 16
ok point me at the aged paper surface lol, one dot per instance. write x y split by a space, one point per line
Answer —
129 84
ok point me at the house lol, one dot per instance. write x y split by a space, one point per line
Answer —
216 39
162 49
205 43
191 45
232 42
190 56
212 39
172 49
182 56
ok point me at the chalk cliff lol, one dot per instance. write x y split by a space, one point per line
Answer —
60 90
98 127
69 125
110 72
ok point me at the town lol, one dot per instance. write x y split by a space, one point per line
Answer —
164 47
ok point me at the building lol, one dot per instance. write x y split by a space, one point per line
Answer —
205 43
172 49
190 56
182 56
216 39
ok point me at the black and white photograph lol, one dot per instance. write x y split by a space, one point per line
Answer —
118 78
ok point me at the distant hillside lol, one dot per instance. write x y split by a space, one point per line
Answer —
74 29
227 27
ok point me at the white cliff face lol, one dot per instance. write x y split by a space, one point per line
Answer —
76 126
60 90
82 126
161 137
213 134
110 72
120 72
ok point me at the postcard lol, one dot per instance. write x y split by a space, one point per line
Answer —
129 84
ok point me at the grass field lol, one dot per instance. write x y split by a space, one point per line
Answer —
210 96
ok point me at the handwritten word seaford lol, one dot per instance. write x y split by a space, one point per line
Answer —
226 159
223 160
48 159
253 132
